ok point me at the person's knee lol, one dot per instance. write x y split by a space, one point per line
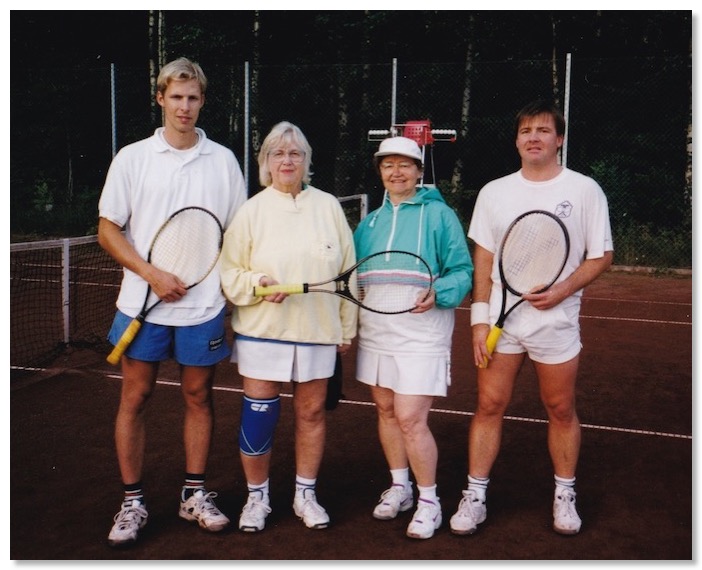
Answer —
413 427
135 397
308 403
559 404
259 418
490 406
562 413
197 397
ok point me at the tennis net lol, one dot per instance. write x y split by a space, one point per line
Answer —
63 293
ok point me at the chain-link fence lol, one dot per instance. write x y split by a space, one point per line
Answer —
628 126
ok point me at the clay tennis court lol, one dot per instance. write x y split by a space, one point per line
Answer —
634 477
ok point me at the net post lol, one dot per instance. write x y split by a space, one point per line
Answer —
66 288
363 203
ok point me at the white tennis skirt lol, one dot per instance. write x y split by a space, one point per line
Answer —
283 361
410 374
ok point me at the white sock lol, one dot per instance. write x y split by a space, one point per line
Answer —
564 483
479 485
428 493
263 488
400 477
301 484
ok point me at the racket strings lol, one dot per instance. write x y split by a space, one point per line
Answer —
392 282
188 245
533 253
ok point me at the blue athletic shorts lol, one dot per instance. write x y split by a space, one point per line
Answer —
197 345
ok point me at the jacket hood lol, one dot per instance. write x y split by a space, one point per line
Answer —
424 195
415 217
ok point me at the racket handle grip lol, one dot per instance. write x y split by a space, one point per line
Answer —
261 291
491 342
124 341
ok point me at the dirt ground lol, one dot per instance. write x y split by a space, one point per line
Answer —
635 487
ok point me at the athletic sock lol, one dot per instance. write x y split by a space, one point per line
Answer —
133 492
302 484
428 493
400 477
263 489
479 485
564 483
193 482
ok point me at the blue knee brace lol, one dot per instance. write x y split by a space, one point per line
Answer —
258 421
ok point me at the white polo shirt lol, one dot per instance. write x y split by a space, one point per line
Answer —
147 182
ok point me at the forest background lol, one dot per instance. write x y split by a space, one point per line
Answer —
333 73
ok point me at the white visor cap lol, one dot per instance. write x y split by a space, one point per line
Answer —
399 145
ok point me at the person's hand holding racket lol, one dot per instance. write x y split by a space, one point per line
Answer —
532 256
274 297
166 286
547 299
425 301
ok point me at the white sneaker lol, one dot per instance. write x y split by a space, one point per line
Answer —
201 508
397 498
426 519
565 516
309 510
471 512
128 522
253 515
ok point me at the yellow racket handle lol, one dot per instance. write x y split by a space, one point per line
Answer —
273 289
491 342
124 341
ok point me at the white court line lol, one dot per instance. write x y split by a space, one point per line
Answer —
654 321
612 300
435 410
457 412
624 319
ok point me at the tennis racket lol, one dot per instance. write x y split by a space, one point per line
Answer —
532 255
186 245
387 282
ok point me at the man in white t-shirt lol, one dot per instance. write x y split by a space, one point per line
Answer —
546 326
147 182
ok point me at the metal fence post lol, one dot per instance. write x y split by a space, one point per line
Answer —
247 125
566 112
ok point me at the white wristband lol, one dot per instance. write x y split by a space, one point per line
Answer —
479 313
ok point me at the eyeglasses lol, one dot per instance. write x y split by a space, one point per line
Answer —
390 166
295 156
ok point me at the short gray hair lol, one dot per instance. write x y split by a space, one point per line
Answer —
281 134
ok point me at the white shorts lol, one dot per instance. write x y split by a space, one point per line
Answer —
283 361
549 337
413 375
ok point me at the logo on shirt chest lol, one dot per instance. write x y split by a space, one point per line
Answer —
564 209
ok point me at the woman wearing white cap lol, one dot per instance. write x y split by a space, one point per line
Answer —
406 358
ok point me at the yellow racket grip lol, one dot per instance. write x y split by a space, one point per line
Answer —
273 289
491 342
124 341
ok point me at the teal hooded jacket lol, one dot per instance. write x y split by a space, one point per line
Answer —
426 226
